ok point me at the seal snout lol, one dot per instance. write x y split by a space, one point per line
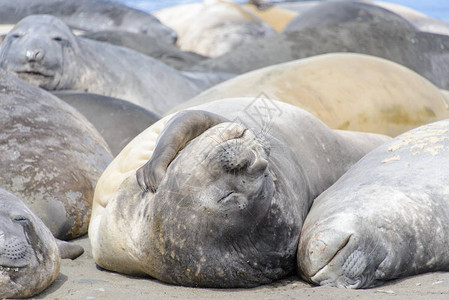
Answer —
34 55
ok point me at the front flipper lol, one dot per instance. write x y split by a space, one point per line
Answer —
184 127
69 250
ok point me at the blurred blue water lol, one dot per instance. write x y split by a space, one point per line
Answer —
435 8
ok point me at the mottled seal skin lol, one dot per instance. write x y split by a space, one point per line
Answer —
228 210
167 53
337 12
117 121
42 50
51 156
422 52
386 218
89 15
30 256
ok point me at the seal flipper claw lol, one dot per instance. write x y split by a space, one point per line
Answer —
183 127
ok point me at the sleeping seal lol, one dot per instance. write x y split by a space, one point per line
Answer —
89 15
43 51
51 156
386 218
228 209
29 254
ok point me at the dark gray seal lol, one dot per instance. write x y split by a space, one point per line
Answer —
167 53
29 254
336 12
225 202
89 15
386 218
51 156
43 51
117 121
424 53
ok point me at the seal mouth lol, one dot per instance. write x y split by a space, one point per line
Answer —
34 73
344 243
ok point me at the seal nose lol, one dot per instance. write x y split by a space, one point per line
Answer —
35 55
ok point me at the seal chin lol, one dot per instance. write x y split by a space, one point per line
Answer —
37 78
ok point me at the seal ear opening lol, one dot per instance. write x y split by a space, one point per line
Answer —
183 127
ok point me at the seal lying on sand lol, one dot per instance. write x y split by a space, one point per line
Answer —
384 97
117 121
228 209
337 12
422 52
89 15
29 254
43 51
213 27
386 218
51 156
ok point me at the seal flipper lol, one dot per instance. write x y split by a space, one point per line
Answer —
184 127
69 250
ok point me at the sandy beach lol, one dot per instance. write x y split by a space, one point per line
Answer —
82 279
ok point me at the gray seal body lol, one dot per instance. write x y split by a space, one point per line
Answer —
224 209
51 156
386 218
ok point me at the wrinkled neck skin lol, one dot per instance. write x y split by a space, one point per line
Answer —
216 225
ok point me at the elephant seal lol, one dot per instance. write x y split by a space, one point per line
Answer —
228 209
384 97
51 156
29 254
386 218
117 121
42 50
167 53
89 15
422 52
337 12
213 27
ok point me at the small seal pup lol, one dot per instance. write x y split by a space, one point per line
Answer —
224 201
386 218
43 51
89 15
29 254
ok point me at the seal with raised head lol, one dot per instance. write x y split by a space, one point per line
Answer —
89 15
386 218
224 201
51 156
43 51
29 254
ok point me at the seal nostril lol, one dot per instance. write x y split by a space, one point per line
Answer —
34 55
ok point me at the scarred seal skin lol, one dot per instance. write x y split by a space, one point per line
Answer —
219 203
51 156
386 218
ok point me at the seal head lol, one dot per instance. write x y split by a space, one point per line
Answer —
38 50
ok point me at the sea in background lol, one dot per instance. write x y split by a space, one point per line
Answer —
438 9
